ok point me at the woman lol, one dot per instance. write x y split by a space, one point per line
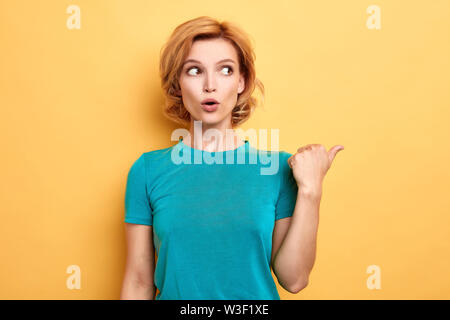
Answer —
216 228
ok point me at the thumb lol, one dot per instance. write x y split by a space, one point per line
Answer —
333 151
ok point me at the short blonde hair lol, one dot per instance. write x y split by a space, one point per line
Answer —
175 51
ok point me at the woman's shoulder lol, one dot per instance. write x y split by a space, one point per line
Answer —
158 155
271 153
155 152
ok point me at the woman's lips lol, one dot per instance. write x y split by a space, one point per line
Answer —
210 107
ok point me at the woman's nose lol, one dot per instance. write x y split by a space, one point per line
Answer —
209 84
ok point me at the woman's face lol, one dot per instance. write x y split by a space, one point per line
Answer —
211 77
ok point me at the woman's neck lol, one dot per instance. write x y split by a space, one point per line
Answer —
213 141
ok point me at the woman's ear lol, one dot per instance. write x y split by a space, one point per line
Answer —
241 86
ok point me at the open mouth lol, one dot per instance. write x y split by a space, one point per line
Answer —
210 106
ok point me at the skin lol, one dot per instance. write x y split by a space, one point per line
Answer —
211 78
310 165
140 263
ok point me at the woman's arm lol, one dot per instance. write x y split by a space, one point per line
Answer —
140 265
295 258
293 261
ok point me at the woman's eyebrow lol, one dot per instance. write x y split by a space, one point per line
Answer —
193 60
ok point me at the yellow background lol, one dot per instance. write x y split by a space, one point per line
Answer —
79 106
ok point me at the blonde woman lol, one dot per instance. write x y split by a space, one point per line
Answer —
216 228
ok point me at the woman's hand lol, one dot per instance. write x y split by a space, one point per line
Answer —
310 164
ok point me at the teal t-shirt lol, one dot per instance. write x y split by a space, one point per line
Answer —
212 219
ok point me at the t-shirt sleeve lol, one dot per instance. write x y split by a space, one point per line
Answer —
287 196
137 205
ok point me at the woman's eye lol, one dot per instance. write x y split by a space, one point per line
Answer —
227 67
193 73
193 68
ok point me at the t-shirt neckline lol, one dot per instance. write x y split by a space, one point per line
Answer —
186 147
